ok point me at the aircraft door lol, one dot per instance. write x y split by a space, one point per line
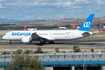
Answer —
8 35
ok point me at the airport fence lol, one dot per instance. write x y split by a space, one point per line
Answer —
60 56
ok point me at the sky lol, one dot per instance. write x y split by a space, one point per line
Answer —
50 9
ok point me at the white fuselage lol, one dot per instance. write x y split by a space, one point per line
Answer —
49 34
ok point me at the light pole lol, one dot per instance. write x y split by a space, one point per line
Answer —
101 50
101 47
84 63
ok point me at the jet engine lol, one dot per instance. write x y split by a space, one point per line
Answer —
26 39
85 34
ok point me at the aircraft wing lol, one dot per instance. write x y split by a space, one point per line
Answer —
36 36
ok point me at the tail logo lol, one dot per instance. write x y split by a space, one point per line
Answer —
87 24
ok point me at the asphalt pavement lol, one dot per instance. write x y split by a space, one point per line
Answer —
58 43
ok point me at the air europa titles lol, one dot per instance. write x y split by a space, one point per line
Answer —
87 24
20 34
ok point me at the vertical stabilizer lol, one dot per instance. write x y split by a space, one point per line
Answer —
25 28
101 25
87 24
75 26
72 26
58 26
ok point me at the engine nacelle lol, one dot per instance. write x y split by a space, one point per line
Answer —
26 39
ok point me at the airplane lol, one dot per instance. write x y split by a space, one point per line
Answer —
101 30
77 27
74 26
30 29
62 27
51 35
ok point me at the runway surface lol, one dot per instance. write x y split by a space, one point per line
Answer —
91 42
62 45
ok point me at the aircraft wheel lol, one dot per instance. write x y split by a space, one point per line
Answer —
51 42
30 40
9 41
42 41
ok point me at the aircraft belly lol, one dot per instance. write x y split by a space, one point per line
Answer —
15 38
60 37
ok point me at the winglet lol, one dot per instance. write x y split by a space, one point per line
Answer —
87 24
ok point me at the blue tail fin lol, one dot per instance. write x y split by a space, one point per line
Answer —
87 24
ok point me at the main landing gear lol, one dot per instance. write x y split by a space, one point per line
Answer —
30 40
51 42
42 41
9 41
